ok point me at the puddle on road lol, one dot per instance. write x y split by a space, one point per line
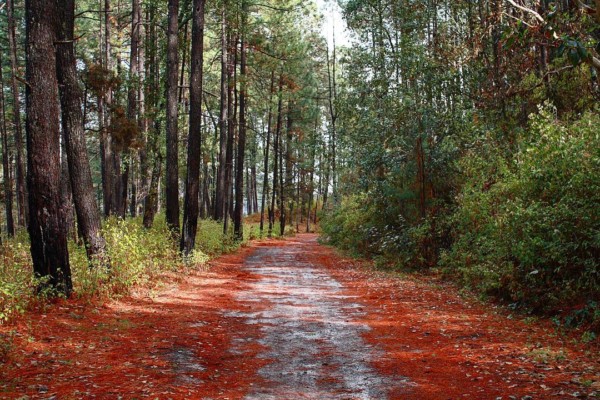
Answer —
310 332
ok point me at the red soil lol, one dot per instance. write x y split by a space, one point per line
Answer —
176 342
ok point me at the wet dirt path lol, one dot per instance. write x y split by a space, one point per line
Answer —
311 335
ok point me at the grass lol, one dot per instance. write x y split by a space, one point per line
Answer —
138 257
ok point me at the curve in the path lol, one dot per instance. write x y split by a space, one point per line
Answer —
310 333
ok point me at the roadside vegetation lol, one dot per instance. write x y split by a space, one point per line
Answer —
471 147
137 257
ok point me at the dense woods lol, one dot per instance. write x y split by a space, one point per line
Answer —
190 111
453 136
468 143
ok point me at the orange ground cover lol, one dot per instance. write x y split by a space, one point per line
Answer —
176 343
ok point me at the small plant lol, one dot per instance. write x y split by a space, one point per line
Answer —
6 345
546 354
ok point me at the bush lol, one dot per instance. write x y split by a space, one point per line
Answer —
138 256
527 228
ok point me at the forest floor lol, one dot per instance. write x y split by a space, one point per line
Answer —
291 319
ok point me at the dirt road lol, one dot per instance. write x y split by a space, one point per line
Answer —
292 320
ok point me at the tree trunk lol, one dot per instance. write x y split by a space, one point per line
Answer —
47 230
6 156
230 135
238 226
221 178
172 178
190 212
333 116
276 152
288 188
22 205
66 194
71 98
132 104
110 161
152 198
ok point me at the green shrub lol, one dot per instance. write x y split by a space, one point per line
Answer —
16 278
138 256
527 228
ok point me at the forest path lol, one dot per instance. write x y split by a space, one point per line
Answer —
310 329
291 319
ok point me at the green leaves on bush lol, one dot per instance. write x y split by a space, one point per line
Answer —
533 235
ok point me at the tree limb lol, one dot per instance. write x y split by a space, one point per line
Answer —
528 10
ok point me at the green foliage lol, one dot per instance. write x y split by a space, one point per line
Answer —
16 280
527 228
359 225
348 227
138 256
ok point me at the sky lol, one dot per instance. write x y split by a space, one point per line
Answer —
333 21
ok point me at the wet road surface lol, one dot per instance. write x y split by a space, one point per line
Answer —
310 331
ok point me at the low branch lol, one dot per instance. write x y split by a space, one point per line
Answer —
528 10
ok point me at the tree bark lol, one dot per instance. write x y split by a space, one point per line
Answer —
221 178
276 152
333 115
110 159
152 198
238 226
288 188
6 156
20 169
172 178
192 186
71 98
47 230
230 134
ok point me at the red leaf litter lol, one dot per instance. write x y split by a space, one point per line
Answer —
287 319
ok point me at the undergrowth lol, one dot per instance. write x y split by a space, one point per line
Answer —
138 256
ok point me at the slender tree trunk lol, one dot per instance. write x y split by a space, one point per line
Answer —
6 156
190 213
288 188
276 151
71 98
230 136
150 120
220 194
265 191
66 194
47 230
144 83
110 162
282 194
20 169
172 178
238 226
132 105
254 191
331 74
152 198
183 61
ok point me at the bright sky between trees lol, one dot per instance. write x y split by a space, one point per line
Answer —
333 22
